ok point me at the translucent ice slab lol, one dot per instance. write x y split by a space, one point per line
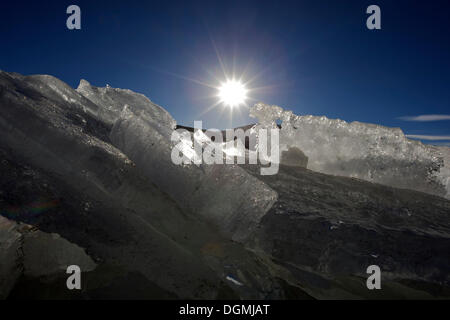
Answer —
360 150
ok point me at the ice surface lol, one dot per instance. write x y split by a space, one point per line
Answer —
333 224
126 219
360 150
112 101
225 194
10 256
46 254
59 129
444 172
55 145
25 250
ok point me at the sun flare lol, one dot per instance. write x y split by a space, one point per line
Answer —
232 93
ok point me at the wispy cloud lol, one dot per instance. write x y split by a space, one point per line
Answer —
427 137
427 117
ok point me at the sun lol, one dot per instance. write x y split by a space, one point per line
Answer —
232 93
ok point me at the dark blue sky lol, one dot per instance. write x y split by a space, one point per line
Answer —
313 57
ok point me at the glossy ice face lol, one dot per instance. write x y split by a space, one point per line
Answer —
361 150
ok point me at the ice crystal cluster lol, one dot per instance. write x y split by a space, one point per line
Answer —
365 151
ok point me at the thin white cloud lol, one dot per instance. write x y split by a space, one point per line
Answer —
427 117
427 137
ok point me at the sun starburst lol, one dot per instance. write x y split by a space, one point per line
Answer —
232 93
